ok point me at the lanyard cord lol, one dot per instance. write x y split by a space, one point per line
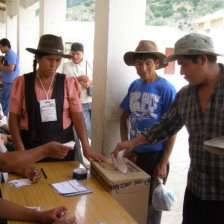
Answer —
46 93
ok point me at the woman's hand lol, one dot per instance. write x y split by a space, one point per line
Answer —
91 155
56 150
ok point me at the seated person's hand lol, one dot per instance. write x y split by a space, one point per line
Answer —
53 215
32 173
56 150
65 220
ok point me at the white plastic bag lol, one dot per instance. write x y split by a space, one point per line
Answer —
162 198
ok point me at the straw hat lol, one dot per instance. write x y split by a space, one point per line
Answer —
192 44
145 47
51 44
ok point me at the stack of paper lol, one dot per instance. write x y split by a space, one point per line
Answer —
215 145
70 188
20 182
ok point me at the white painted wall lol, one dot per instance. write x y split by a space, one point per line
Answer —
116 32
28 35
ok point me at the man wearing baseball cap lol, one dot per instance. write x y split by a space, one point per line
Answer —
148 98
200 107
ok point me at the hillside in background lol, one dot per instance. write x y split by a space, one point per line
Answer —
177 13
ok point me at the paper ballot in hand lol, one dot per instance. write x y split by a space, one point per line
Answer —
119 162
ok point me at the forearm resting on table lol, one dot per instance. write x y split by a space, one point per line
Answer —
10 210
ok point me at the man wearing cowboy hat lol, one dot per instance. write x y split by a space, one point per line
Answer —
148 98
200 107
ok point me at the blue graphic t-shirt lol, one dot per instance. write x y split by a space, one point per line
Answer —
146 103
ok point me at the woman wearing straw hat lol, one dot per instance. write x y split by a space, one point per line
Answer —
148 98
44 104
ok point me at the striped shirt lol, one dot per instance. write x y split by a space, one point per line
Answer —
206 172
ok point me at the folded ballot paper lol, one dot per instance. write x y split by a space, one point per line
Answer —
215 145
119 162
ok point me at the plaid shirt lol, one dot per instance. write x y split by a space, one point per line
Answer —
206 172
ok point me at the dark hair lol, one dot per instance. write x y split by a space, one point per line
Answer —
5 42
194 58
38 55
141 56
77 47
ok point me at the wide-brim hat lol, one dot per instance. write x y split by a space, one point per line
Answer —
193 44
145 47
51 44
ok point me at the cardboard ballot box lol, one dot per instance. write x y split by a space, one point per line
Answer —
130 190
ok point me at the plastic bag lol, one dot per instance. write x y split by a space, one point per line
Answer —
163 199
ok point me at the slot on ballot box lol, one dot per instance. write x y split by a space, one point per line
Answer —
131 190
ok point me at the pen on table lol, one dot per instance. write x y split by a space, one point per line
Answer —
45 176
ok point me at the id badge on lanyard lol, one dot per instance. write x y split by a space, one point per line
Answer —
48 107
48 110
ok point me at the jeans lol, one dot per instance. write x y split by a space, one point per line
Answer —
5 96
148 162
86 110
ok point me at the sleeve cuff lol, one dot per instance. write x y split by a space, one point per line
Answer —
149 137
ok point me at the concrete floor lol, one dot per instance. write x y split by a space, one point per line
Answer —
177 179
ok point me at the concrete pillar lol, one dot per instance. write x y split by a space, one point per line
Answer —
52 17
27 34
11 23
3 16
118 28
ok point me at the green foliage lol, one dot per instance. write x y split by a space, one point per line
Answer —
178 13
72 3
160 12
182 9
80 10
167 13
195 2
157 14
217 5
157 23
